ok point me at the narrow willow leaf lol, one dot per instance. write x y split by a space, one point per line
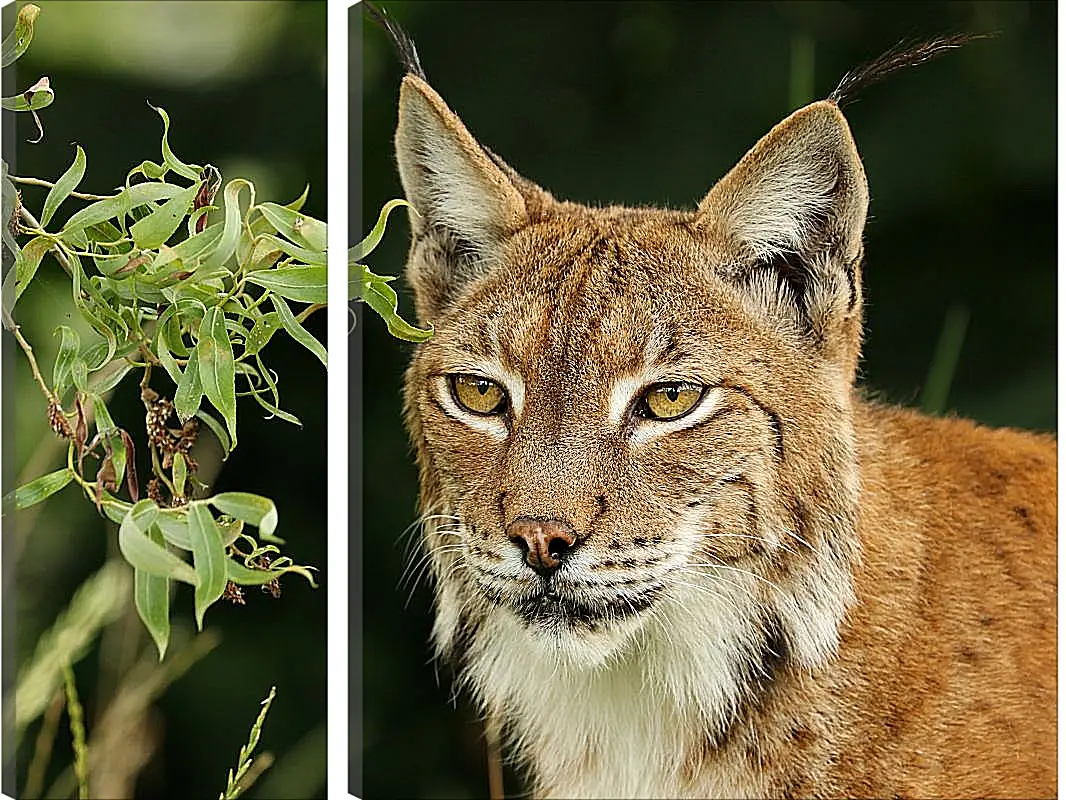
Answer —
209 558
105 381
171 161
302 284
38 96
16 42
26 267
151 596
166 358
298 203
261 332
152 231
273 407
300 228
189 392
148 169
180 472
252 508
217 429
189 252
231 226
360 251
120 204
214 356
174 525
38 489
246 576
79 373
145 554
304 254
296 330
62 189
104 423
382 298
69 345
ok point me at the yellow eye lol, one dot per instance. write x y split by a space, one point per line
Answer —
668 401
478 395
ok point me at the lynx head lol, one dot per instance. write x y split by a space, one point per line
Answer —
629 419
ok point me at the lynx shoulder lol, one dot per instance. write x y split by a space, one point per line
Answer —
675 550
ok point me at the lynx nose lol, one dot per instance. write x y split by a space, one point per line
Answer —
545 542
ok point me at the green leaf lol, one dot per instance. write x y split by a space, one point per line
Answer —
298 203
170 160
260 334
231 226
214 356
180 472
26 267
62 189
252 508
189 392
16 42
164 355
148 169
120 204
273 407
145 554
69 345
151 596
104 384
246 576
104 423
209 558
296 330
152 231
300 228
174 525
302 284
38 489
273 244
360 251
189 251
38 96
382 298
217 429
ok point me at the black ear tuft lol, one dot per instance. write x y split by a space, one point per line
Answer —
904 54
405 46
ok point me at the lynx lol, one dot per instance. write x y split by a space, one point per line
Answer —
676 549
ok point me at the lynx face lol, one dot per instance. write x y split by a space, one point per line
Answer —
618 405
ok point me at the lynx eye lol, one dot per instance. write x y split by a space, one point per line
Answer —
478 395
666 401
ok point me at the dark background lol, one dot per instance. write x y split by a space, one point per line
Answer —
259 112
651 103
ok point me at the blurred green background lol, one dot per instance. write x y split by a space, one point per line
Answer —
651 103
244 84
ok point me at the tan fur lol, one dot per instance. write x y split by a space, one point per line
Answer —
789 592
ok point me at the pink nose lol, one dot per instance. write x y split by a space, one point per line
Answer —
545 542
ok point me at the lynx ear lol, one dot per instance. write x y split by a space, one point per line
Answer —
465 204
791 215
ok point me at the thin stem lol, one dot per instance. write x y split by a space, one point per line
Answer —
33 362
311 309
40 182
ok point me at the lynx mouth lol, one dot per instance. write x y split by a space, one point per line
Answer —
551 607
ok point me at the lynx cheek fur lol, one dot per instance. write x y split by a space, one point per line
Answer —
675 549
